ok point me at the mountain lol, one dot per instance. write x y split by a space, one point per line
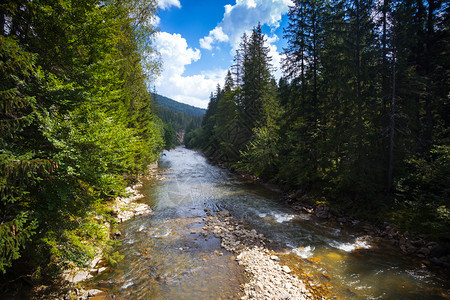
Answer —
177 106
178 118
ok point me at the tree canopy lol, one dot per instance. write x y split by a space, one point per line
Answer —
76 123
360 117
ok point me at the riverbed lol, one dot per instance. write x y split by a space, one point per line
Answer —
168 255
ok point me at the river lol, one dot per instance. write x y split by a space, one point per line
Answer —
166 257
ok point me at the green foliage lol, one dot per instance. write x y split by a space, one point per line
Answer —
177 106
239 125
178 119
76 123
13 237
194 139
112 257
424 191
357 115
261 156
19 167
169 136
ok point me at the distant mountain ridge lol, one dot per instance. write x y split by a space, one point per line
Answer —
177 106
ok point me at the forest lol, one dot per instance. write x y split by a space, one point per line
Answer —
76 126
178 119
177 106
360 119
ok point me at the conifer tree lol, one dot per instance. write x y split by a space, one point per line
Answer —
75 123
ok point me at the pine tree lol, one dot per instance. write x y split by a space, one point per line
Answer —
20 168
226 128
257 85
74 118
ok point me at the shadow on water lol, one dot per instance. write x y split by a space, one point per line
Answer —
168 257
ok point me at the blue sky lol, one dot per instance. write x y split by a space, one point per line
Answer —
198 39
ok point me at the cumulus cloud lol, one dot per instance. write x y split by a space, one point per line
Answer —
237 19
155 21
242 17
176 55
276 60
246 14
164 4
216 34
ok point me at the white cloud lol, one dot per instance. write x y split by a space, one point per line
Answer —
246 14
237 19
216 34
206 42
194 90
228 8
176 55
155 21
164 4
276 60
242 17
272 39
251 4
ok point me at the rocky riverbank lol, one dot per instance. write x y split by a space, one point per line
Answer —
428 252
121 209
126 208
269 279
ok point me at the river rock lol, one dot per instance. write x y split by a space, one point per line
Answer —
437 261
342 220
437 251
431 244
410 249
93 292
269 280
423 252
322 212
418 243
76 275
298 194
105 284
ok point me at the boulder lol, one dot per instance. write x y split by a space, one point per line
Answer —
93 292
423 252
438 251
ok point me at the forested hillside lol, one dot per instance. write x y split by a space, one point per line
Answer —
178 119
178 106
360 119
76 126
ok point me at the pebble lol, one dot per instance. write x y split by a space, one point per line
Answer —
286 269
269 280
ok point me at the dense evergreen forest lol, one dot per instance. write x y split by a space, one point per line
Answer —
178 118
76 126
177 106
360 119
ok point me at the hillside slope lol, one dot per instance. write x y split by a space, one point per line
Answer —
177 106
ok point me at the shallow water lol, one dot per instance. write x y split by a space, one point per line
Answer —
166 257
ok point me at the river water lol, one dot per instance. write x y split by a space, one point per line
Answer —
167 257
